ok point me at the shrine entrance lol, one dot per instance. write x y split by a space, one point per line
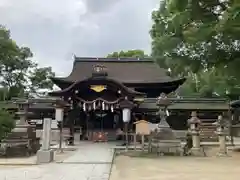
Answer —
103 120
102 123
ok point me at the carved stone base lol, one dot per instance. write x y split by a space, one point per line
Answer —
198 152
222 154
45 156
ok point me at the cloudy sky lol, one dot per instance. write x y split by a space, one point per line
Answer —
57 29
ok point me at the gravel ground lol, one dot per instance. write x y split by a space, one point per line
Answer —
173 168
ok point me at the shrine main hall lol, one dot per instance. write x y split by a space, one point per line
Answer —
103 93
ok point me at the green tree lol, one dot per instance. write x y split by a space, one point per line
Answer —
206 83
127 54
20 76
198 36
40 78
7 123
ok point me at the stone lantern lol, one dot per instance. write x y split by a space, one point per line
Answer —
164 130
194 123
163 102
23 113
221 132
23 130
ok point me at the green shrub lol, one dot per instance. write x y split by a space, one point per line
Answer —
7 123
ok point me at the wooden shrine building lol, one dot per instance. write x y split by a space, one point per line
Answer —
98 89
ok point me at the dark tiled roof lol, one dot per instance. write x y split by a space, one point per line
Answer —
235 104
125 70
189 104
150 104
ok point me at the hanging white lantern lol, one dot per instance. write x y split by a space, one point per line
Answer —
94 105
103 106
89 107
106 107
76 91
167 112
111 108
126 115
84 107
59 114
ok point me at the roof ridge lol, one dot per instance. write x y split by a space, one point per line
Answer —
109 59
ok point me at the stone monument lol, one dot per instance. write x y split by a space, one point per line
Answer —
45 154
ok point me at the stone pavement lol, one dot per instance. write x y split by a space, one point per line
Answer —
89 162
92 153
56 171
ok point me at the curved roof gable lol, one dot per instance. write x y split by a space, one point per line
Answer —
125 70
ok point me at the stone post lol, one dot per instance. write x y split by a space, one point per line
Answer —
194 123
45 154
221 137
46 136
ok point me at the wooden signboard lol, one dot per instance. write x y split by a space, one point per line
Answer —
66 132
142 127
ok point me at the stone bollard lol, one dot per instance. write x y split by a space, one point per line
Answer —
221 137
194 122
45 154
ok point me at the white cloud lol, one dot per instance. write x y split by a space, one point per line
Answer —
56 29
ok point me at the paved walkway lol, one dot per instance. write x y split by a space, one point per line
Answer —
92 153
89 162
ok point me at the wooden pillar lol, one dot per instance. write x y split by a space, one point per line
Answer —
59 114
71 116
142 141
87 126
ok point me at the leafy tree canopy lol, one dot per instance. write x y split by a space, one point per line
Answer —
199 39
19 75
130 53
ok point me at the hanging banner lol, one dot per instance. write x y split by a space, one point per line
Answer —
98 88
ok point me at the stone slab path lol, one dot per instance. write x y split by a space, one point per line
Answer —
92 153
89 162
